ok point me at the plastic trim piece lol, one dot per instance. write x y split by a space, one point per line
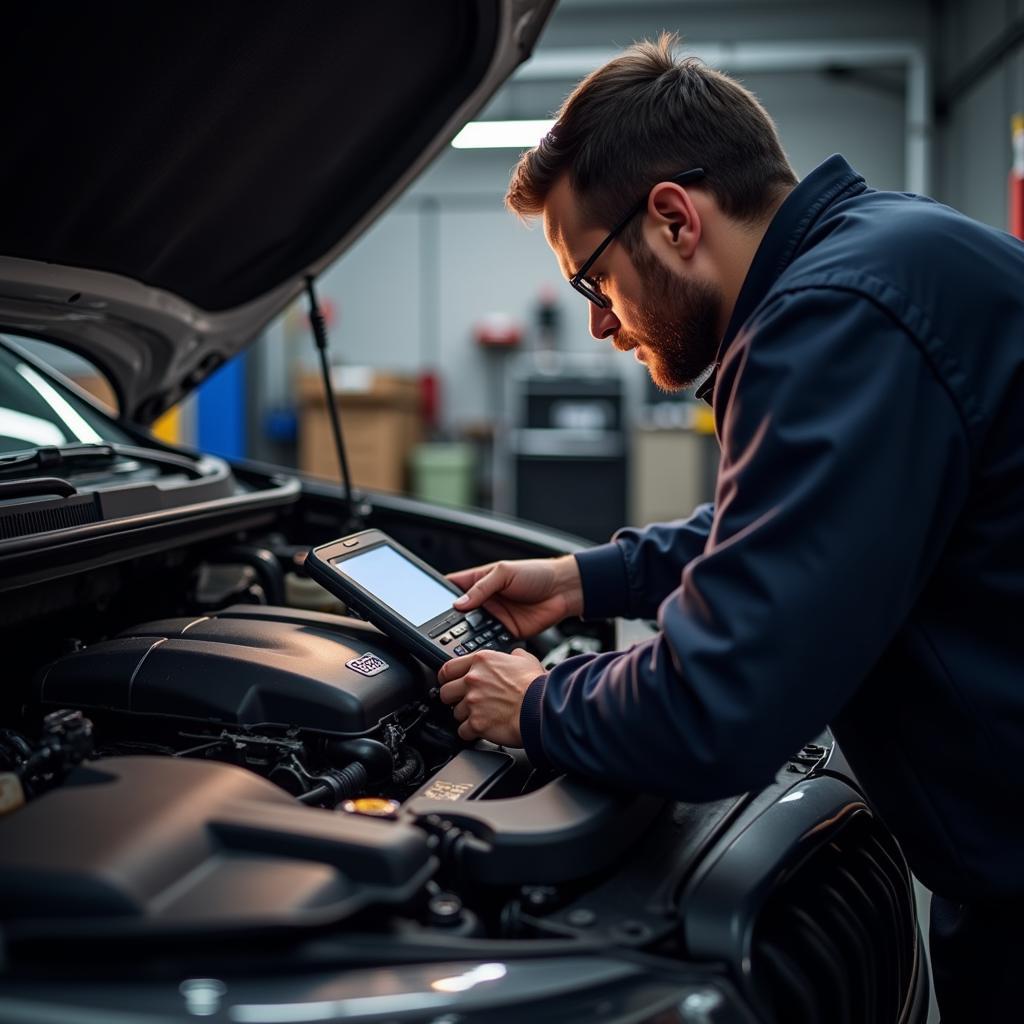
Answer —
156 847
773 844
562 831
32 559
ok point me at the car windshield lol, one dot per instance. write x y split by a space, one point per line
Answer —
36 409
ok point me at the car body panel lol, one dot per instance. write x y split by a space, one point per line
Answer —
203 201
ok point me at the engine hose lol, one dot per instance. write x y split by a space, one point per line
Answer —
371 753
351 780
409 766
15 750
266 565
337 785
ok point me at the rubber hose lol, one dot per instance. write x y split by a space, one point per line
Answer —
411 765
351 780
337 786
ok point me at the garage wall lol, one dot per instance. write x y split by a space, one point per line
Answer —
409 292
973 151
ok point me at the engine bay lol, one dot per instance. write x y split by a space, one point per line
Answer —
265 765
319 704
209 766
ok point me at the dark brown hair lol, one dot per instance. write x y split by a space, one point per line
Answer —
644 117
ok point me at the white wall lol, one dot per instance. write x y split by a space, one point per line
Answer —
973 154
411 290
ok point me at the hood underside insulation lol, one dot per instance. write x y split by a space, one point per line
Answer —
216 150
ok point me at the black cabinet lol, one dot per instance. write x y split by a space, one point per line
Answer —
568 454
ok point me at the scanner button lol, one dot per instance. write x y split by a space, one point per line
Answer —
460 650
441 627
446 639
349 543
470 645
475 618
460 629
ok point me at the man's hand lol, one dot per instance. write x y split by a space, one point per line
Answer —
487 689
527 595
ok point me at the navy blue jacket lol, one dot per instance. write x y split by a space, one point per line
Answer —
863 562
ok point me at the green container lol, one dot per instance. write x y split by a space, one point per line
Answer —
443 473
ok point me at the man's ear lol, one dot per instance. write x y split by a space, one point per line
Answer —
677 222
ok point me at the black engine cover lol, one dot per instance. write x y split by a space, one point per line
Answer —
247 665
151 844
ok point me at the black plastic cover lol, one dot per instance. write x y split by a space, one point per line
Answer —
258 667
160 844
563 831
467 776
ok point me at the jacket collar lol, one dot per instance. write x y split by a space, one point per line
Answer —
782 242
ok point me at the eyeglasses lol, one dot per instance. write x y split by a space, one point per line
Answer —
588 286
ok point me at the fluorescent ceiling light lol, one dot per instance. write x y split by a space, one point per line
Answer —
501 134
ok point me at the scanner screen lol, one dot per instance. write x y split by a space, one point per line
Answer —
398 583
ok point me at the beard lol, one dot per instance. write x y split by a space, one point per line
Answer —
676 325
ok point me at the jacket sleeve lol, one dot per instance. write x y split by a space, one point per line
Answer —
844 466
638 569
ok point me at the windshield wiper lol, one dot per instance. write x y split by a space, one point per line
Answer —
53 456
50 457
38 488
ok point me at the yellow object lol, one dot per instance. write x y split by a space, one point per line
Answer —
12 796
168 427
1017 144
372 806
703 419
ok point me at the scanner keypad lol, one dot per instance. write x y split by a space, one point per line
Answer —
477 632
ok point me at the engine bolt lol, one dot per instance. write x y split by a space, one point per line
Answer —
445 909
539 895
699 1007
581 918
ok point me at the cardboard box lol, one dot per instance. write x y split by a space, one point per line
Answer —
380 424
100 389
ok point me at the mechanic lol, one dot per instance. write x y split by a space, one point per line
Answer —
863 562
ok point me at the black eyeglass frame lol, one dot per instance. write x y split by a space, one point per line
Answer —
579 281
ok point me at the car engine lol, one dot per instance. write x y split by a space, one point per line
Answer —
137 763
188 783
322 705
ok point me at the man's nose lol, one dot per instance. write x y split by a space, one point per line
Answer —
603 322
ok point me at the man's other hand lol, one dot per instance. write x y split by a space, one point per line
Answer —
486 692
526 596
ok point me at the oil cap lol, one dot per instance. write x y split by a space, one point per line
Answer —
372 807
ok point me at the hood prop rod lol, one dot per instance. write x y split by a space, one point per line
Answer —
316 319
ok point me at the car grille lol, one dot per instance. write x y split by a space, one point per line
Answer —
837 941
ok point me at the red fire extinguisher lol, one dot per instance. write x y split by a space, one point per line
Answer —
1017 177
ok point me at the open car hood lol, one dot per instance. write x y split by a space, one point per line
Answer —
172 174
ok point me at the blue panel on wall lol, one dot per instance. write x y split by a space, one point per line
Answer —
221 415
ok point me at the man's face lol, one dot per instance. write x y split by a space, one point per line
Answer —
671 321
